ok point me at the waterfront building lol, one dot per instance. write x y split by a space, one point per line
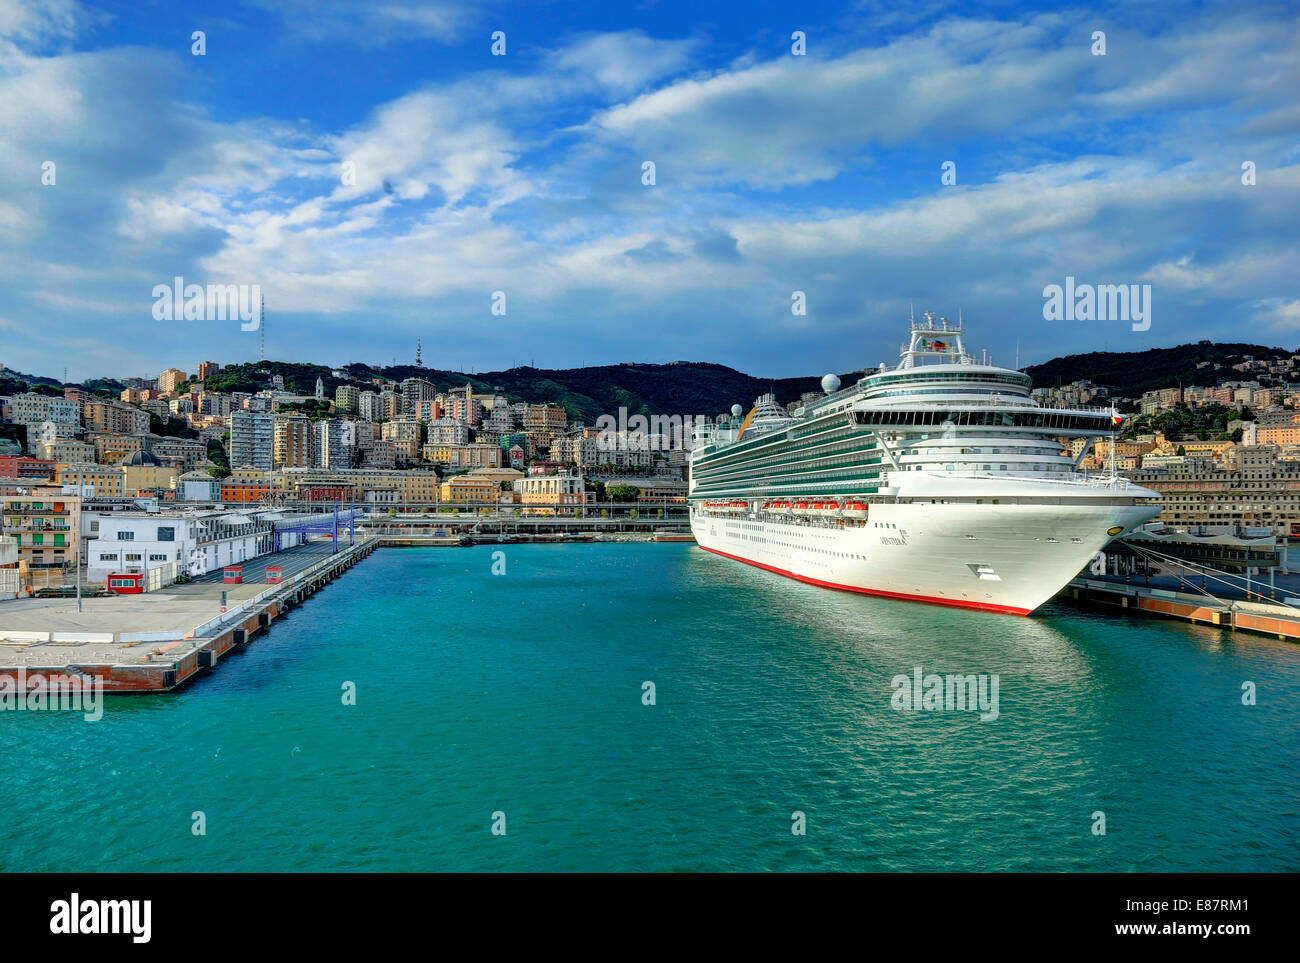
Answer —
185 453
143 471
1257 488
390 405
243 488
196 542
113 449
474 489
51 431
379 454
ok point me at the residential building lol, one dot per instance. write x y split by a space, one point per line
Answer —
544 422
170 379
25 467
251 440
114 417
346 399
464 456
45 525
405 434
448 431
292 441
32 408
65 450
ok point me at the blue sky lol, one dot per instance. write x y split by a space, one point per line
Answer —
522 173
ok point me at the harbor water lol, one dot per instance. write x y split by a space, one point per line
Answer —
505 687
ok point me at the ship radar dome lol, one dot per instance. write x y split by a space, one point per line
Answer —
737 411
830 383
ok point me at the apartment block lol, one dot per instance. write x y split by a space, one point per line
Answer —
44 524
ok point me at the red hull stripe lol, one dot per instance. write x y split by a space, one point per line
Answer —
964 604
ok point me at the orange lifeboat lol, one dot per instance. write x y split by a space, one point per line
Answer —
854 509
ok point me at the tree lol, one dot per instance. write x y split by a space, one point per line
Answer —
623 493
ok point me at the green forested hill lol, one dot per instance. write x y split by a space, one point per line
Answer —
1133 372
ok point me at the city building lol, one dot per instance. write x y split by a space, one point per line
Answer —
251 440
44 524
346 399
560 494
292 441
25 467
405 434
1256 489
170 379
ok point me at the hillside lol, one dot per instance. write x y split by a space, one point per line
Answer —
700 388
1133 372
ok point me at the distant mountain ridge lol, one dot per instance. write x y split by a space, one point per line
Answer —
705 388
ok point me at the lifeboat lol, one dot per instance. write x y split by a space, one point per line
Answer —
831 508
802 508
854 509
818 508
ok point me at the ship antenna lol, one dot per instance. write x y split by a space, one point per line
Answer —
911 312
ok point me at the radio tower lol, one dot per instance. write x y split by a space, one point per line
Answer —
261 331
418 362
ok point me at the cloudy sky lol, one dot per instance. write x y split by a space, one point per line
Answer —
379 173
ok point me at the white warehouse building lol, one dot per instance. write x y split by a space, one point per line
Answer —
195 542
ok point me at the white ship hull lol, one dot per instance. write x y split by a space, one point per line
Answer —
998 557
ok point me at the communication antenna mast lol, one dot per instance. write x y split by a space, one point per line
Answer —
418 362
261 331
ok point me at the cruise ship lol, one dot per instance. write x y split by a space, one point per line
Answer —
938 480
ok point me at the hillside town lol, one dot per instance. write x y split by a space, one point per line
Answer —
221 467
193 478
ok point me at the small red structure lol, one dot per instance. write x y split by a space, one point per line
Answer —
126 583
274 574
232 574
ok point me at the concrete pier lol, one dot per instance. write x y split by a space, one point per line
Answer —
184 628
1282 621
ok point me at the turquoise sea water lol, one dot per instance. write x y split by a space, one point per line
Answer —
522 693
